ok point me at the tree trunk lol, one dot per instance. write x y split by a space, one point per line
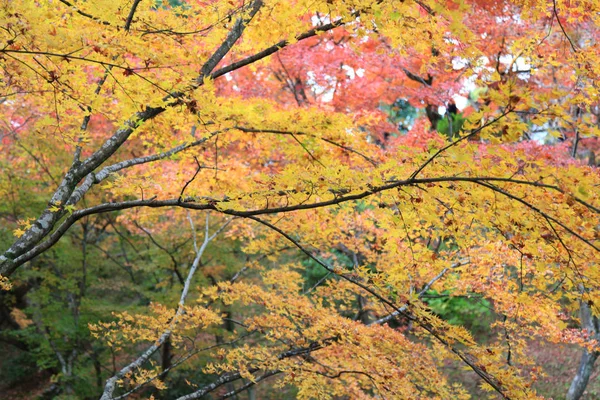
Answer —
586 365
364 314
166 357
433 116
251 393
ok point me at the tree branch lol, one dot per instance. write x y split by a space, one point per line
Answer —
111 383
466 357
219 206
78 170
562 28
87 15
472 133
274 48
249 384
280 132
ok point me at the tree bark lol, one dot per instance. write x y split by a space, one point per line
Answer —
166 357
586 365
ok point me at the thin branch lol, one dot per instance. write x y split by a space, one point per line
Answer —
280 132
70 56
311 155
87 15
233 376
170 31
472 133
86 119
466 357
350 149
108 255
199 167
111 383
39 162
169 253
422 292
540 212
320 281
249 384
562 28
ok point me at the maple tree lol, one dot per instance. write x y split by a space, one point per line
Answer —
214 193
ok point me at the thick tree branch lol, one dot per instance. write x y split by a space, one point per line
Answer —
232 37
131 14
274 48
78 170
220 206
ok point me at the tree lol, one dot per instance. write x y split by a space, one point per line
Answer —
123 124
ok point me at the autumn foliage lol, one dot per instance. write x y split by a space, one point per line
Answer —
214 198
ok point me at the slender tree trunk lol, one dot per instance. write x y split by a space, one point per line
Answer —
364 314
97 369
166 357
580 381
433 116
586 365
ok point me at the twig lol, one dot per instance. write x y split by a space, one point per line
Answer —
474 132
562 28
78 11
250 384
191 180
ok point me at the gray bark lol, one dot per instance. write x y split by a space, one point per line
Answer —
111 383
32 243
66 193
586 364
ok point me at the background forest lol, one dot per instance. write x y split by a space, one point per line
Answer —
325 199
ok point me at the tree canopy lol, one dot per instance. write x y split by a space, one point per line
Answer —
209 198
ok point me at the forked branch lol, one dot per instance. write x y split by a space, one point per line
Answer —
111 383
